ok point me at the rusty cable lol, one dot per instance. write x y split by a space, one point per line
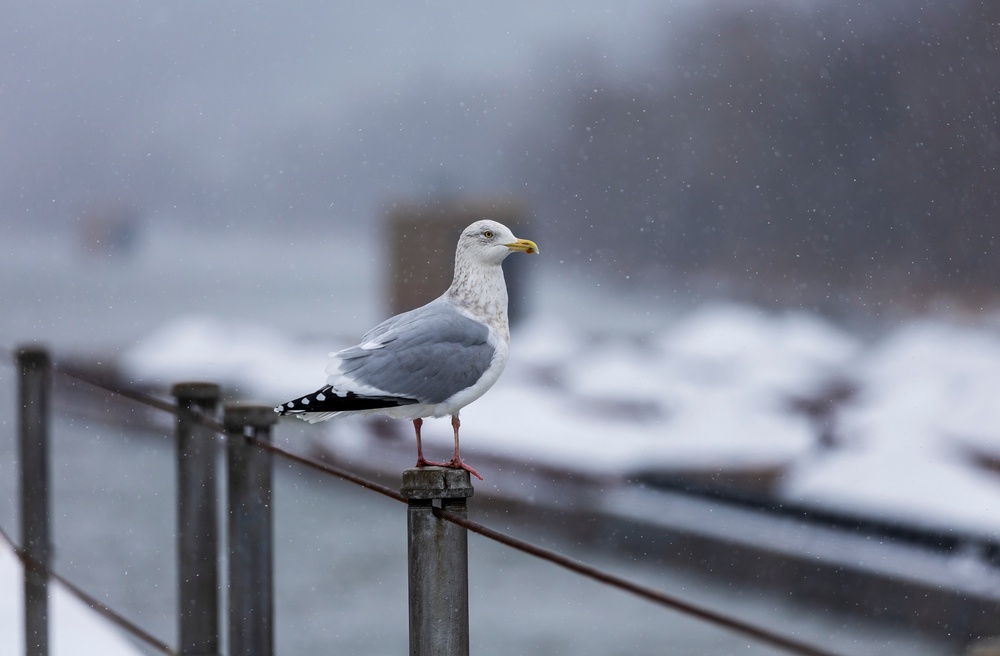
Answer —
104 610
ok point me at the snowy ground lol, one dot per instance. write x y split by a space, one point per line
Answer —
716 389
74 627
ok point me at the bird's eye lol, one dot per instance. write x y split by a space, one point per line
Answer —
488 234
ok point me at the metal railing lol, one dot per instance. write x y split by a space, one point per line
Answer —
437 525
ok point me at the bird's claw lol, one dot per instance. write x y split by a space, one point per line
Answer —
424 462
454 463
457 463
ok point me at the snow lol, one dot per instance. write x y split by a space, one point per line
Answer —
251 359
74 627
927 403
714 390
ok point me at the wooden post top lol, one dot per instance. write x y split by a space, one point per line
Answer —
422 483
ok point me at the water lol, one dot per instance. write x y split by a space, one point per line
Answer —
339 550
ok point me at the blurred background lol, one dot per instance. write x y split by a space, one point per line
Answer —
825 153
768 260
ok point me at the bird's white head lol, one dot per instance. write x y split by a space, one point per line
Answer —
479 285
490 242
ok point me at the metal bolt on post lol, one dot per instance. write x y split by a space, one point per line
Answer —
34 389
438 561
251 583
197 521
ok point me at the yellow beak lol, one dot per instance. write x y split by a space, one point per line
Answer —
523 246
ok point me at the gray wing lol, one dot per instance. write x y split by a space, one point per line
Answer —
428 354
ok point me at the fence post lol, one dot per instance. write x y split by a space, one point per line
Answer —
438 561
197 521
35 384
251 586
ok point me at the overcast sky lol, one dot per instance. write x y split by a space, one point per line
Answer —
260 111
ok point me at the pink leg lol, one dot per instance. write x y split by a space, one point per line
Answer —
421 461
456 459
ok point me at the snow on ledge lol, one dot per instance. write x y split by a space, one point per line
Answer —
75 628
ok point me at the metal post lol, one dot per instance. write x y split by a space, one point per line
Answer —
34 390
197 521
251 586
438 561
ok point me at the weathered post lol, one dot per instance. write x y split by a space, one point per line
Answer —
251 585
438 561
35 369
197 521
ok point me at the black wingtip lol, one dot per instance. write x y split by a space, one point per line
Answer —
327 400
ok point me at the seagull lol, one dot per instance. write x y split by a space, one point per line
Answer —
434 360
